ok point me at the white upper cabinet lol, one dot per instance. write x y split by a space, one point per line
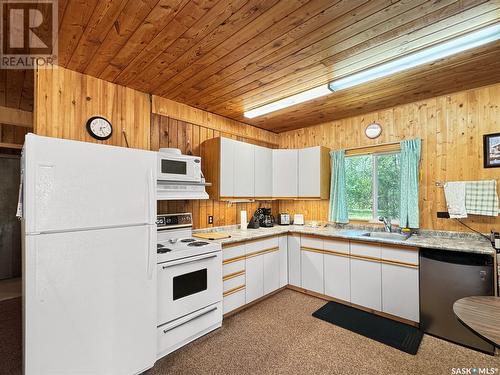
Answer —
263 172
226 161
313 172
285 173
243 170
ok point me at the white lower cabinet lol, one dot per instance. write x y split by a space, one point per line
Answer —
254 269
387 282
400 293
234 300
337 276
294 261
271 271
366 283
312 271
283 259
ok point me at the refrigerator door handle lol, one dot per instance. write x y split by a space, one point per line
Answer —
151 252
151 198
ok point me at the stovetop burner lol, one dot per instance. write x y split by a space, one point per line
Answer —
187 240
198 243
161 249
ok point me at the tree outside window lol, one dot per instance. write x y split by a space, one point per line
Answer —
373 186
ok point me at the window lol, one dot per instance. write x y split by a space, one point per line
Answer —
373 189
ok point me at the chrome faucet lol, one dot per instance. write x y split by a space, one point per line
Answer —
387 223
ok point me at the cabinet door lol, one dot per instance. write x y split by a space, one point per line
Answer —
244 170
254 272
294 260
309 172
285 173
400 294
337 276
312 271
283 255
263 172
226 167
366 283
271 271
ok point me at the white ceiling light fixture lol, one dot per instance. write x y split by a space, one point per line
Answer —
442 50
427 55
288 102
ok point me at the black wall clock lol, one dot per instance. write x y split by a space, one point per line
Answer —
99 128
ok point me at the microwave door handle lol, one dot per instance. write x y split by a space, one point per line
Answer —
190 318
188 260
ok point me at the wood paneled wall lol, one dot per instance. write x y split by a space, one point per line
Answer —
189 137
16 91
179 111
64 100
452 129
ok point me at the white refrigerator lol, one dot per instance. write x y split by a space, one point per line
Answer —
89 258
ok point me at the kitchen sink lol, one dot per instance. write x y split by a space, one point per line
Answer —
387 236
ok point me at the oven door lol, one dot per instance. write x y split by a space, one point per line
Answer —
179 169
187 285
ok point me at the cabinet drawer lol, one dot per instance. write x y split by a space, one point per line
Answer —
265 244
337 246
233 251
173 335
233 282
233 267
311 242
365 249
234 300
400 255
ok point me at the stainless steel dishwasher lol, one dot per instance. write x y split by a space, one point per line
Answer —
446 276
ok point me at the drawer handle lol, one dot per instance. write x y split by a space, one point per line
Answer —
190 319
234 290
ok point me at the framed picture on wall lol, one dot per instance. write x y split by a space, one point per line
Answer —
491 147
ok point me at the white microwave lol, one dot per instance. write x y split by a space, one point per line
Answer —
173 166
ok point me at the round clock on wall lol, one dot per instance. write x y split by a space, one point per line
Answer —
99 128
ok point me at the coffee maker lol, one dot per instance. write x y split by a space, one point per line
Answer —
265 217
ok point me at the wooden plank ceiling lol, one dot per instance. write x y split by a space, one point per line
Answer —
227 56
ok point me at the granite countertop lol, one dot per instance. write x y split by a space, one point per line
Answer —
453 241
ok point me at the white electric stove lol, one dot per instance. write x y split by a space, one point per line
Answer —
189 283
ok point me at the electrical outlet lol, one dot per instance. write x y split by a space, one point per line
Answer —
443 215
210 219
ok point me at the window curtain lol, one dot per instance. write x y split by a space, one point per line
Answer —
410 160
337 211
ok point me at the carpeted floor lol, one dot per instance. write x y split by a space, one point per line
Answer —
279 336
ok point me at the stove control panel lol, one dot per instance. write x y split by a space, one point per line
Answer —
173 221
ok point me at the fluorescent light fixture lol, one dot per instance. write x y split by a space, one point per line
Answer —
454 46
445 49
287 102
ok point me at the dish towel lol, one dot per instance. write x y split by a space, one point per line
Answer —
454 193
481 197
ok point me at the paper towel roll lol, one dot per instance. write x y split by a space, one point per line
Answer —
243 220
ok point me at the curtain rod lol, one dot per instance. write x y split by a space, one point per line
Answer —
377 145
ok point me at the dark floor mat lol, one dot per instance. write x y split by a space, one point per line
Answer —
398 335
